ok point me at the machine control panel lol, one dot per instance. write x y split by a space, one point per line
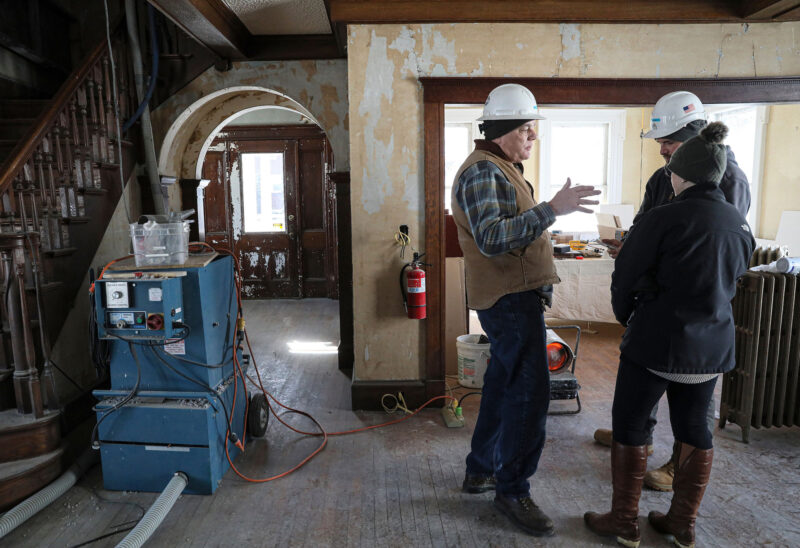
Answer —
140 308
117 295
134 319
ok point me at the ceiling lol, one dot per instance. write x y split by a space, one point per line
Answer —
282 16
317 29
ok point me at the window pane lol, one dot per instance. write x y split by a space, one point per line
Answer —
262 192
579 151
457 147
741 137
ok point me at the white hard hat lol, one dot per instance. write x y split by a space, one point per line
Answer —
511 102
674 111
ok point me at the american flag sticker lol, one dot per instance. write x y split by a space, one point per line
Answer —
688 108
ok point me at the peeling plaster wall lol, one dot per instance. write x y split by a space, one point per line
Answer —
316 89
386 141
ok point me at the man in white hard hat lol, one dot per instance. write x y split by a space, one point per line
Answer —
677 117
509 273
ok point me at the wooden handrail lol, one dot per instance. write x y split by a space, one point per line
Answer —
25 148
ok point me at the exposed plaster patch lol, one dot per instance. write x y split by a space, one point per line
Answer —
570 41
377 182
280 264
236 201
570 45
253 257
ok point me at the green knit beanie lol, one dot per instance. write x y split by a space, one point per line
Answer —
702 159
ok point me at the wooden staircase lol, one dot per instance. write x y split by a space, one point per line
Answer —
60 182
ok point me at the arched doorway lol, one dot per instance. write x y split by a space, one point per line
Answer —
191 134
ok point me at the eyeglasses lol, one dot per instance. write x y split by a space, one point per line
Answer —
527 131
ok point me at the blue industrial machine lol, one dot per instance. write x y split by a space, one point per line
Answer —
171 329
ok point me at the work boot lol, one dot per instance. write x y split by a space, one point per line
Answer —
692 470
525 515
628 465
603 437
661 478
475 484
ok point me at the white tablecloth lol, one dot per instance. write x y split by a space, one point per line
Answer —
584 292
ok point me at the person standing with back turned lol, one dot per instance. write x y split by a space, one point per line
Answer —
672 287
509 266
677 117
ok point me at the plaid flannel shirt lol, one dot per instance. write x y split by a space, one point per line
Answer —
489 201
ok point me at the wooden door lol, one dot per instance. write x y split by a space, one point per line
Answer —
265 219
216 200
270 200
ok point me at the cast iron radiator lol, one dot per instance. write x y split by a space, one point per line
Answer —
762 390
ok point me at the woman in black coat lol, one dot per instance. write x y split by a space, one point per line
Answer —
672 288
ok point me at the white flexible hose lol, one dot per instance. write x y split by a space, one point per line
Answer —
42 498
156 513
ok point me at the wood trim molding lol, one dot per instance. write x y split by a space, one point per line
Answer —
549 11
210 22
294 47
548 91
260 133
616 91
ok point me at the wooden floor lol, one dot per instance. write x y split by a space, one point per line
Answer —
400 486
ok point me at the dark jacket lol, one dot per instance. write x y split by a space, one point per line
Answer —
734 186
674 280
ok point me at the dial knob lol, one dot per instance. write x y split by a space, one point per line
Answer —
117 294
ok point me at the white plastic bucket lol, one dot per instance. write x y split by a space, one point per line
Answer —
473 358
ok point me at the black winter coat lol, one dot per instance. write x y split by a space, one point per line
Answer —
674 280
734 186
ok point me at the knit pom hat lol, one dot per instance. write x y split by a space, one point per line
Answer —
702 159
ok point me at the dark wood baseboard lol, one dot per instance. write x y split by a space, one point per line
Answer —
366 395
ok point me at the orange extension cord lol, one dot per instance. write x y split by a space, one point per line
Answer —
239 374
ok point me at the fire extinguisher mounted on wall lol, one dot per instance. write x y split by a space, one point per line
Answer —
412 287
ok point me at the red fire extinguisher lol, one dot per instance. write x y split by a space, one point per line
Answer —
412 286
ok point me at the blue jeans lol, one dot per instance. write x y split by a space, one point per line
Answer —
510 431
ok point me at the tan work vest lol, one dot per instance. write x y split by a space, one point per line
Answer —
529 267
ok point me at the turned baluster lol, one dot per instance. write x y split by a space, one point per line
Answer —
102 127
94 137
108 102
27 387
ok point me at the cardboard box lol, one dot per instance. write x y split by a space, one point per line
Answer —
455 309
563 238
608 225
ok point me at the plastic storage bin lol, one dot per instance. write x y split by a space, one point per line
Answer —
160 243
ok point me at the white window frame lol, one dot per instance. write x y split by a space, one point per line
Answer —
759 144
615 118
463 115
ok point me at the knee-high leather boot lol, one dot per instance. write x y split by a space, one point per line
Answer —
692 470
628 466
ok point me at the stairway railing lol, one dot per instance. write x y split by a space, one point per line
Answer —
42 181
69 152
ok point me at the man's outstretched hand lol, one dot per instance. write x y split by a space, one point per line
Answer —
573 198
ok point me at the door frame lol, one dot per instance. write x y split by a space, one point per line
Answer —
550 92
246 134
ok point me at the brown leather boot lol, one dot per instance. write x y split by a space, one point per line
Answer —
628 465
692 470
